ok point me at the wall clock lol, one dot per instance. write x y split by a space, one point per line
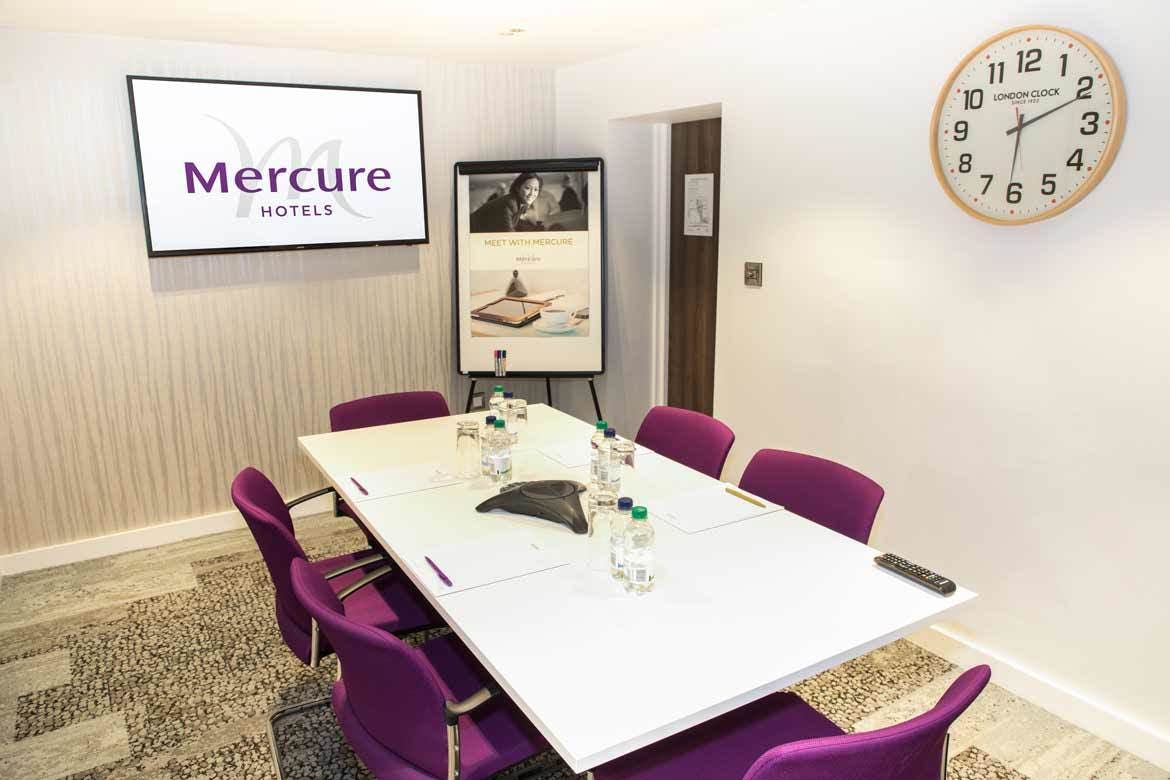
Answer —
1027 125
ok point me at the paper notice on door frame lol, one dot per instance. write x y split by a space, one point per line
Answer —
699 204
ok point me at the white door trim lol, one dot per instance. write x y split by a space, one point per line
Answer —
660 262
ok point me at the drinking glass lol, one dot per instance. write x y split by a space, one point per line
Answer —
518 418
467 456
623 454
597 538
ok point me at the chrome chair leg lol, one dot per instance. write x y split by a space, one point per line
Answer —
454 759
946 756
279 713
314 644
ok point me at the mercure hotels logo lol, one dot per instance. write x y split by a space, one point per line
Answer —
300 177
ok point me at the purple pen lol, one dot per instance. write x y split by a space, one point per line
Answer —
445 579
359 486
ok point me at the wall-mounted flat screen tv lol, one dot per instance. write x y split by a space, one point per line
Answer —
237 166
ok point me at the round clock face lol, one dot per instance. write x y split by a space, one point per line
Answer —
1027 125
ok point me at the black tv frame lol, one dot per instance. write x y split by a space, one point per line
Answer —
152 252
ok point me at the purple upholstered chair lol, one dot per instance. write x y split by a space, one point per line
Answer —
384 409
415 712
373 593
387 409
820 490
781 737
690 438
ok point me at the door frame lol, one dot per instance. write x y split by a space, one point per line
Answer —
660 263
661 122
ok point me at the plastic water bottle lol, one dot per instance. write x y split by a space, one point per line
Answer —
597 444
609 468
638 554
496 402
617 542
500 453
595 441
485 435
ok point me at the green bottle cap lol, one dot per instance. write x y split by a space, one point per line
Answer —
601 425
498 389
500 423
638 513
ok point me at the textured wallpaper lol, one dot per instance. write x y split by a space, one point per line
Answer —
133 389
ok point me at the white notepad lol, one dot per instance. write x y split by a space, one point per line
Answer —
569 454
474 565
574 453
398 480
709 507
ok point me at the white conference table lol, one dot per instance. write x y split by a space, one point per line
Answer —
737 612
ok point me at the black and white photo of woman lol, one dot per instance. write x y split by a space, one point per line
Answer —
506 213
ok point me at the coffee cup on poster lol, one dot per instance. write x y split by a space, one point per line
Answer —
555 316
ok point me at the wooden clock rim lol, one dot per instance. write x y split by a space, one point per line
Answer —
1117 91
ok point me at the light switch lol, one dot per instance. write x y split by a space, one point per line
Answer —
753 274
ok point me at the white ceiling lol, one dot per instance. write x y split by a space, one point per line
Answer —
556 32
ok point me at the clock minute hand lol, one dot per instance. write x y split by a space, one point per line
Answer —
1018 128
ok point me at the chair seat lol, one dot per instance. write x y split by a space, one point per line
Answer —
726 747
493 737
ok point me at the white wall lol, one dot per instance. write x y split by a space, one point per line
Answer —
132 390
1007 386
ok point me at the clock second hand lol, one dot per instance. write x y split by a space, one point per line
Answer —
1016 153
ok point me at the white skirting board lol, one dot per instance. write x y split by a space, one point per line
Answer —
139 539
955 645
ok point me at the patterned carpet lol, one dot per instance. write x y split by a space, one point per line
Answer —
163 663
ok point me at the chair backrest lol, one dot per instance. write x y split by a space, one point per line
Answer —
271 525
392 689
912 750
690 438
387 409
825 492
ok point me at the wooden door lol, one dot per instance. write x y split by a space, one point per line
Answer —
694 272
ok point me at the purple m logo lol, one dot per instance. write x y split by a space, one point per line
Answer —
330 150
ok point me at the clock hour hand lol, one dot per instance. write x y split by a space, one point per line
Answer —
1020 127
1016 153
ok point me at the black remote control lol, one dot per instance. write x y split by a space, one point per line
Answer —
915 573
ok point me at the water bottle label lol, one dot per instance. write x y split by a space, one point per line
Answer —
639 575
501 464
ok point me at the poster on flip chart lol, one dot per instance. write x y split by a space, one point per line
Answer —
699 197
529 257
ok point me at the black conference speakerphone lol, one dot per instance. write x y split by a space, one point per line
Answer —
555 500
